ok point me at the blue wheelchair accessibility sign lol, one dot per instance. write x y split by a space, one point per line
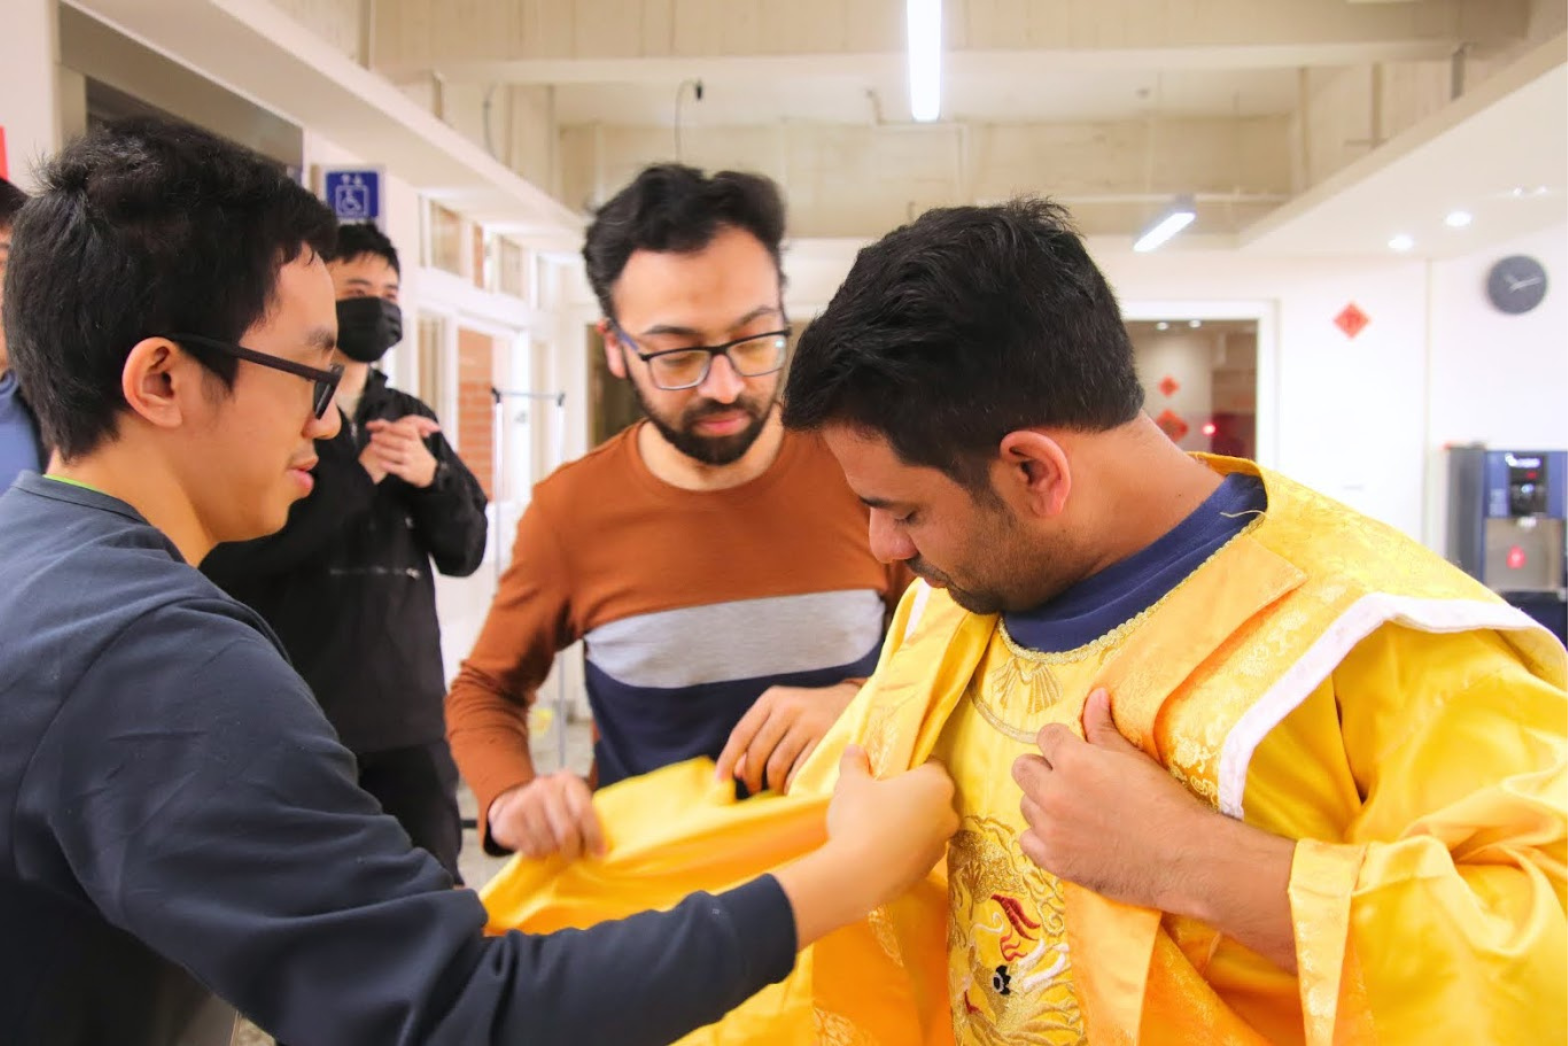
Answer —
354 194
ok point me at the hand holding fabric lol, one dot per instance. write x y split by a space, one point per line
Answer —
550 814
1105 816
779 732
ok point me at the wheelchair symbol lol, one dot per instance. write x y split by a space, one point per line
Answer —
351 199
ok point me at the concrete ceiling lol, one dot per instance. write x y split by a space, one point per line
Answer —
1500 155
1261 109
1301 126
878 92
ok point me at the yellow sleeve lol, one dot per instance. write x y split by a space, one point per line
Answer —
1441 911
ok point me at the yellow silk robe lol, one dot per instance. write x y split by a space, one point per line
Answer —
1321 677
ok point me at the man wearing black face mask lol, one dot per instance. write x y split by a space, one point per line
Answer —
348 584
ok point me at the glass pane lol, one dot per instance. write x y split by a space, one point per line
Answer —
514 274
446 240
432 383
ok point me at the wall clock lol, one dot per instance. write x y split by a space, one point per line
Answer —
1516 284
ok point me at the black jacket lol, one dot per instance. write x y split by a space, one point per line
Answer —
348 587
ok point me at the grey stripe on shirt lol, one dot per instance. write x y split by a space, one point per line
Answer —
744 639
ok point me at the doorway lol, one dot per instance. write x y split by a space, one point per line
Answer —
1200 382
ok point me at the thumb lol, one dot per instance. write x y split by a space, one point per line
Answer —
1099 729
854 764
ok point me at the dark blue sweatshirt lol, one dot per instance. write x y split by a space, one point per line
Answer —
178 822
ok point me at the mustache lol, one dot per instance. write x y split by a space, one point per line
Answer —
919 566
709 408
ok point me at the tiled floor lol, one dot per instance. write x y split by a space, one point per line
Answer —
477 867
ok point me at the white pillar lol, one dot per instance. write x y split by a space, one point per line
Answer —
29 86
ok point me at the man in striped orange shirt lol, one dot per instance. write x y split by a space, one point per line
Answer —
717 567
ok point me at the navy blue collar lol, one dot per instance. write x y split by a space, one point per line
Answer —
1122 591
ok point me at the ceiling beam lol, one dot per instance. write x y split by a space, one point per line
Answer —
960 64
437 34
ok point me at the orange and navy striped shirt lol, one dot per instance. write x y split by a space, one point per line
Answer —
691 604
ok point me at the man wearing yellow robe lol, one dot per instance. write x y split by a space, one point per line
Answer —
1233 763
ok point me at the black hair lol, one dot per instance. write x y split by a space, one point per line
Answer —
961 327
141 228
11 200
670 207
361 238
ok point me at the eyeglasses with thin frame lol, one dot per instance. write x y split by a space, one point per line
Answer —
326 381
687 367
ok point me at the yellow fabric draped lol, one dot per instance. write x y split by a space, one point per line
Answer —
1322 677
881 982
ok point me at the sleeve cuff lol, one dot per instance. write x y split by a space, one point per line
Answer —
764 922
1323 877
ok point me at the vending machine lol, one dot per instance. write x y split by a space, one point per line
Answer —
1508 527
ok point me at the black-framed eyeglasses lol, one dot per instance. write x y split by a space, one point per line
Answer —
687 367
326 381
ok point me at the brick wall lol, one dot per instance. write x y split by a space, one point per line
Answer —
475 409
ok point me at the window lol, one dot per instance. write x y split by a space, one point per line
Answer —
432 372
446 240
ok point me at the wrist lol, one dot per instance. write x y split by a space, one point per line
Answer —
428 480
859 873
824 893
1210 855
845 692
496 811
1183 870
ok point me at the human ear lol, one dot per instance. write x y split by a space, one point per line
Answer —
1038 471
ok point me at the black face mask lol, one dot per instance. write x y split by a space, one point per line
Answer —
368 327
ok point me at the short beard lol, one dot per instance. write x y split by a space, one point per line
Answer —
1024 578
974 602
710 450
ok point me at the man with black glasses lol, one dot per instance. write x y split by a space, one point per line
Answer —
349 584
716 566
181 825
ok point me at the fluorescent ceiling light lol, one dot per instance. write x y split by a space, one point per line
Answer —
1402 242
925 59
1194 324
1162 326
1173 221
1458 219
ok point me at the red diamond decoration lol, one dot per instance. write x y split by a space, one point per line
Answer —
1172 424
1169 386
1352 320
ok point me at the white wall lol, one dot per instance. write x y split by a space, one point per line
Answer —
1349 413
1495 378
29 86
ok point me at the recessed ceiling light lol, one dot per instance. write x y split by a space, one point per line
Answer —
1458 219
1162 326
1401 242
1194 323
